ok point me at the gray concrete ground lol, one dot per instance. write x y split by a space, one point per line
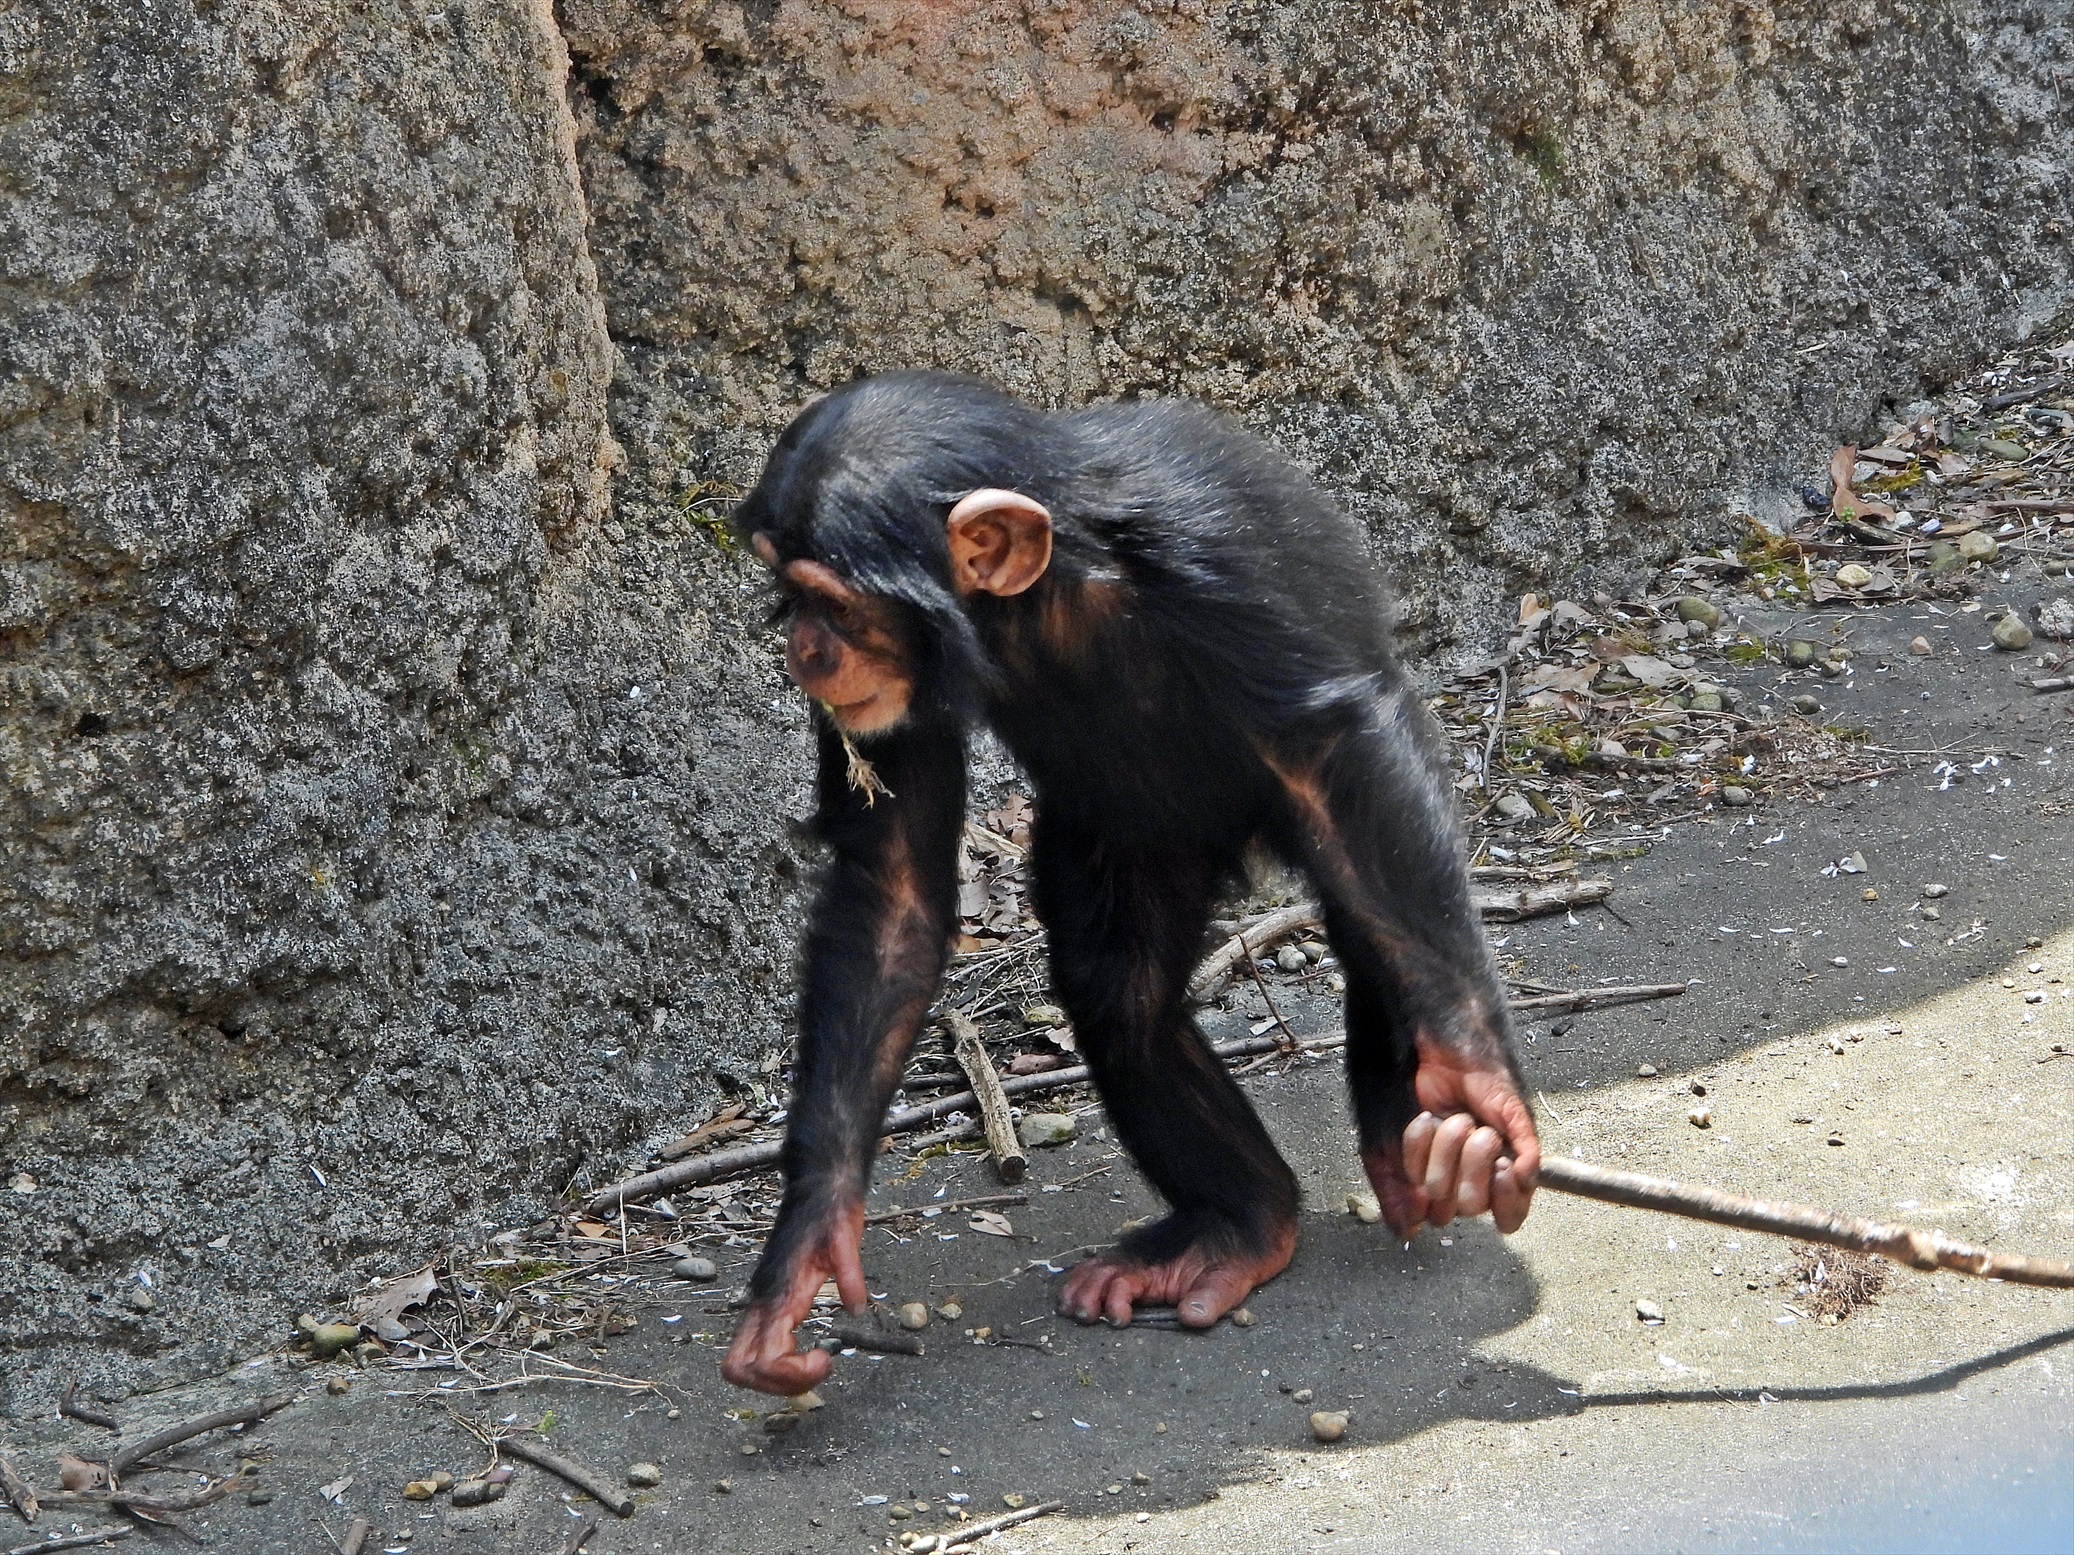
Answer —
1504 1395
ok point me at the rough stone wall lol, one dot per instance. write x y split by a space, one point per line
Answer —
1535 285
391 831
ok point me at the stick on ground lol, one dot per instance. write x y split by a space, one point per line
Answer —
356 1537
1902 1244
1007 1150
853 1338
589 1481
19 1490
958 1538
574 1544
69 1541
127 1458
70 1406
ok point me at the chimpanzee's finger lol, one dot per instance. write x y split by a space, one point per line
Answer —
1473 1185
1444 1165
1510 1198
1418 1144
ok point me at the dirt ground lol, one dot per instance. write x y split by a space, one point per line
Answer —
1504 1393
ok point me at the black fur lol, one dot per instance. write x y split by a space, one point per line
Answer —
1224 630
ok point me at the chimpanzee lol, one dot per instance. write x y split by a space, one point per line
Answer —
1185 644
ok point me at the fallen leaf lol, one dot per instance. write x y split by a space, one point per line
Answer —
77 1474
335 1491
987 1223
392 1298
1650 670
1846 503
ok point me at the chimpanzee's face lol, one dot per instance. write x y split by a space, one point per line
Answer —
843 648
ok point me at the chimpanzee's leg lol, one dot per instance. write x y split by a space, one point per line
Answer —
1444 1125
1125 932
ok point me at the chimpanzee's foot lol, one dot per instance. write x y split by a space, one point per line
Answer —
1202 1269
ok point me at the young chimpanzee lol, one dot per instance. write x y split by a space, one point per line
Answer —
1184 643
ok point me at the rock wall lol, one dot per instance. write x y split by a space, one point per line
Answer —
395 784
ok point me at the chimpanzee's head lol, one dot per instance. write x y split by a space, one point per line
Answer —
883 511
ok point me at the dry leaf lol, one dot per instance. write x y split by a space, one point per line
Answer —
77 1474
987 1223
1847 503
1650 670
392 1298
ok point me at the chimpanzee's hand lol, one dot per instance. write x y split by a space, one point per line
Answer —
1473 1148
763 1355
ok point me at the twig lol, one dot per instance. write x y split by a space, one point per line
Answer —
589 1481
1533 901
69 1405
1009 1160
70 1541
1490 744
143 1501
2052 683
855 1338
19 1491
128 1458
984 1201
1288 1036
356 1537
1250 941
577 1540
1902 1244
961 1537
1599 998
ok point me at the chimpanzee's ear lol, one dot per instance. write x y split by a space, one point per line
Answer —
1000 542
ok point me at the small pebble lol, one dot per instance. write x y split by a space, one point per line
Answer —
1303 1395
421 1490
1290 959
478 1492
1014 1502
1978 546
1701 612
723 1487
700 1271
1807 705
805 1403
1646 1071
1734 797
389 1331
1932 892
1044 1015
950 1311
1364 1207
1115 1489
1243 1318
779 1421
673 1413
1336 982
644 1476
1933 914
1701 1117
1649 1312
1141 1478
898 1513
1036 1414
1839 960
1516 808
1313 951
1329 1425
258 1495
1920 647
1868 895
336 1386
914 1315
1800 653
1851 575
1160 1429
1697 1088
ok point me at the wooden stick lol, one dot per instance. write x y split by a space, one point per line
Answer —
984 1201
356 1537
1009 1161
578 1539
145 1501
19 1490
1598 998
70 1541
127 1458
1250 941
958 1538
854 1338
589 1481
2052 683
1902 1244
69 1406
1532 901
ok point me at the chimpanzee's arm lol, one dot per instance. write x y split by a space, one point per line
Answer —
1445 1128
874 953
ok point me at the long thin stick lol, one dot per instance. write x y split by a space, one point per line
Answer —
957 1539
128 1458
589 1481
18 1490
70 1541
1903 1244
356 1537
1007 1150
